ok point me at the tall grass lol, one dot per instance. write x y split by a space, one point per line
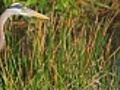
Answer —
71 51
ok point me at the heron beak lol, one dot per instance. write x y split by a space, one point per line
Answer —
38 15
41 16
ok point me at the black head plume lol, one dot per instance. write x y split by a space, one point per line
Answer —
16 5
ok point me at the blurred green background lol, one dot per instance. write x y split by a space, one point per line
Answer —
77 49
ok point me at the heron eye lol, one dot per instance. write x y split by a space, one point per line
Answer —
24 9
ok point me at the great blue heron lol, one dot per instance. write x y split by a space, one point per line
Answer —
16 9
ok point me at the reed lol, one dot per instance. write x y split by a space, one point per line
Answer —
70 51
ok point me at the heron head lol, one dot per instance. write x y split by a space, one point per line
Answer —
19 9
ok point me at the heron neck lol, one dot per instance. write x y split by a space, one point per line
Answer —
3 19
